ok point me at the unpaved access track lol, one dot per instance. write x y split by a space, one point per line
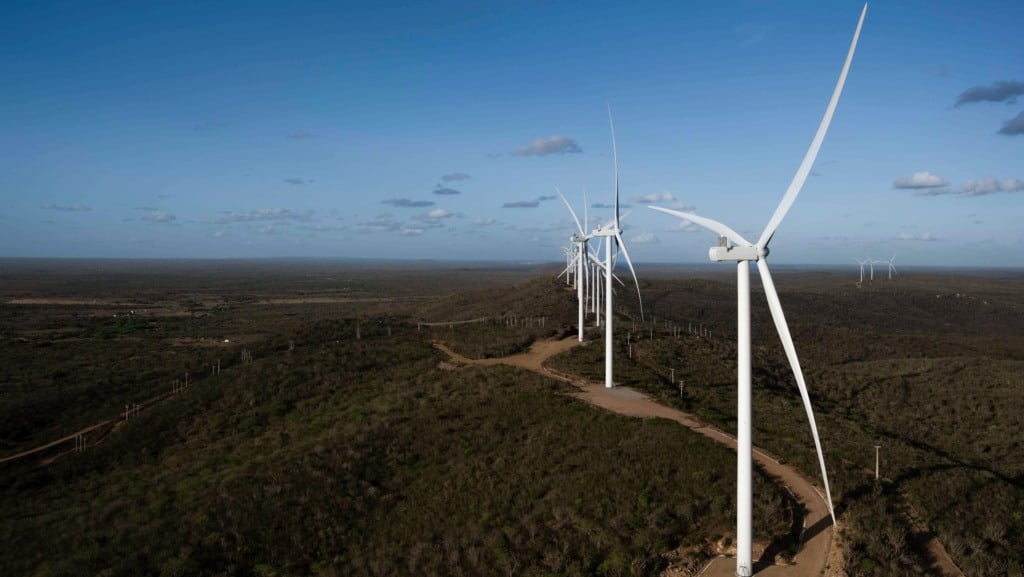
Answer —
813 556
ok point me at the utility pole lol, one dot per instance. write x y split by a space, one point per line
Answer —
876 461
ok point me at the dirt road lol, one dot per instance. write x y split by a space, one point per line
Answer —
813 556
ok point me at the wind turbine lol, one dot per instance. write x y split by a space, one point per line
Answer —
734 248
612 232
582 256
871 263
861 263
892 267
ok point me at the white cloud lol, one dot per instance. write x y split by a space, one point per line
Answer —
556 144
645 238
77 207
989 185
455 177
483 221
379 223
435 214
923 179
407 203
159 216
924 236
681 225
654 197
266 214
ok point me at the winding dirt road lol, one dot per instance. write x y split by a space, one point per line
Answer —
813 556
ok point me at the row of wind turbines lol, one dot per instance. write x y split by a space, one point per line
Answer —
589 273
871 264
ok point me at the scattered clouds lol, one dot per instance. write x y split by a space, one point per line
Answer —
654 197
483 221
554 145
412 231
924 236
1013 126
1005 91
522 204
444 190
297 180
77 207
681 225
920 180
529 203
301 135
645 238
380 223
609 205
1002 91
989 185
979 187
407 203
156 215
435 215
266 214
455 177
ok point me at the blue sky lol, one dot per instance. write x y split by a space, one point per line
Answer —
438 130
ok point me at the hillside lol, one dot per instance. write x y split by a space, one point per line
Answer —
349 446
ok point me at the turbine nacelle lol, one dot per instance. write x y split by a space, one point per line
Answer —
736 253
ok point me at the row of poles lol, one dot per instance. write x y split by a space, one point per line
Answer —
132 410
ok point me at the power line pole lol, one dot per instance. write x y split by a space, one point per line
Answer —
876 461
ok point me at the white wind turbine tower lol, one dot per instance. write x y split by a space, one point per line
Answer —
861 263
871 263
892 267
610 232
734 248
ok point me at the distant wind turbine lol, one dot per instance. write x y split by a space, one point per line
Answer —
734 248
861 263
892 267
582 256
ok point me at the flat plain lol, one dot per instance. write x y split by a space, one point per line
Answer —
321 431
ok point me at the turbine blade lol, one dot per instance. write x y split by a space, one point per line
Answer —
712 225
615 159
787 343
586 211
805 166
571 211
625 253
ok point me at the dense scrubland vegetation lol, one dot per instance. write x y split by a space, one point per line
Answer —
931 370
331 454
